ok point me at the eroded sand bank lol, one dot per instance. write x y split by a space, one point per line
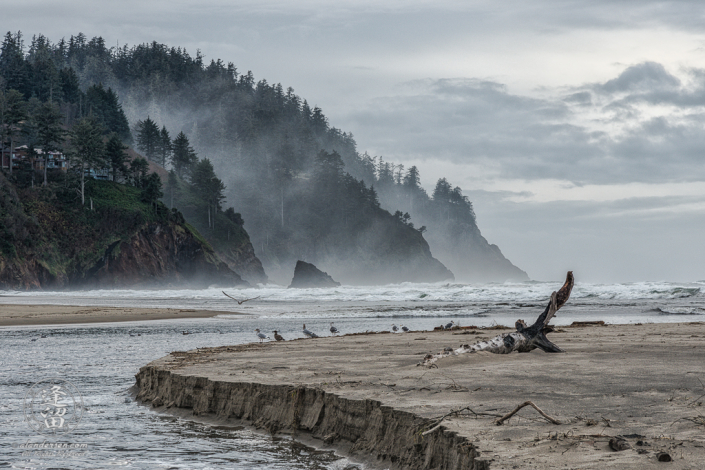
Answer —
18 315
365 395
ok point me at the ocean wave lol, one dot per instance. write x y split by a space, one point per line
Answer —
685 310
518 294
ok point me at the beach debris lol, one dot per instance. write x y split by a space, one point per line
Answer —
664 457
333 329
618 443
240 302
185 333
501 420
308 333
261 336
525 339
577 324
277 336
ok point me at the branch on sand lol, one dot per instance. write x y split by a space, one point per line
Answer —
525 339
501 420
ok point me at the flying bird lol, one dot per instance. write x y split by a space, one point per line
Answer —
277 336
240 302
310 334
395 328
261 336
404 328
333 329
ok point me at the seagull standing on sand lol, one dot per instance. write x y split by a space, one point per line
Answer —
277 336
450 325
333 329
261 336
405 329
310 334
395 328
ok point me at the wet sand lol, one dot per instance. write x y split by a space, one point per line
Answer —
20 315
643 382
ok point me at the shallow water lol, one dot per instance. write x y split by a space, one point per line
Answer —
101 359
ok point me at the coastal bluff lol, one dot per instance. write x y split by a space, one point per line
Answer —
364 396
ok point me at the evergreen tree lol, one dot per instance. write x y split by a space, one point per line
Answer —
152 189
138 172
183 157
209 187
88 149
148 138
105 107
15 112
164 147
50 133
116 157
13 67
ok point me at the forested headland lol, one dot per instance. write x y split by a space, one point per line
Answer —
239 152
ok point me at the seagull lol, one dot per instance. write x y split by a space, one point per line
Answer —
240 302
34 339
185 333
261 336
404 328
43 336
395 328
449 325
277 336
309 333
333 329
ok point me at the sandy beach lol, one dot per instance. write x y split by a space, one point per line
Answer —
643 382
20 315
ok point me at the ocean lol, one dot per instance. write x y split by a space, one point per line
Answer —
100 360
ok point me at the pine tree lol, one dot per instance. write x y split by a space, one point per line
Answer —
164 147
15 113
116 157
50 133
148 137
183 157
138 172
209 187
88 148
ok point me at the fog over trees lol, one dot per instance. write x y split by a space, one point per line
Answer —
300 185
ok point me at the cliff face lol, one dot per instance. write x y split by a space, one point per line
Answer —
382 251
159 254
471 257
51 241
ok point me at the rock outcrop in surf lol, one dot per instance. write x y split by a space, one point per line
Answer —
307 275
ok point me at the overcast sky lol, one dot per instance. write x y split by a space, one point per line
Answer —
576 127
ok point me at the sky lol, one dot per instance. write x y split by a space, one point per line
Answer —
576 127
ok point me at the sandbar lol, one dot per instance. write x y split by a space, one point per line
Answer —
21 315
365 395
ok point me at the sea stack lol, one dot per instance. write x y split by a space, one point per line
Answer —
307 275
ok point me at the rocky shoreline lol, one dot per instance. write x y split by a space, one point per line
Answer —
365 396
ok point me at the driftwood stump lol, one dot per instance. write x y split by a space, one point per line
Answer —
525 339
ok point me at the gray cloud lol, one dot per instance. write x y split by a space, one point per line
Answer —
481 122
